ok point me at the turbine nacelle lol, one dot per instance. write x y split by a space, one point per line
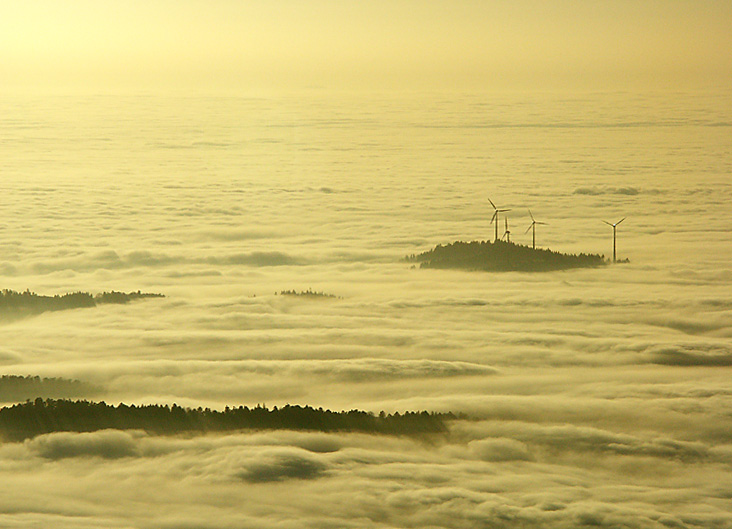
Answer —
614 225
495 215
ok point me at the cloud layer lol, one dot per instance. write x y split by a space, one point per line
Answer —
593 398
554 477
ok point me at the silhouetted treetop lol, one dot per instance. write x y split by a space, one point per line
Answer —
14 388
309 293
22 421
501 256
29 303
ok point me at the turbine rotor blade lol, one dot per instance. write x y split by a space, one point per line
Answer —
503 210
492 204
494 217
532 217
527 229
621 220
606 222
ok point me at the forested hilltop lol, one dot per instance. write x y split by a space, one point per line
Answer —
29 303
309 293
14 388
23 421
501 256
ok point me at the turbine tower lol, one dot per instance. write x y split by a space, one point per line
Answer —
614 229
532 227
507 233
495 217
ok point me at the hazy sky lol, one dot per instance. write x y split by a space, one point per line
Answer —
242 45
597 398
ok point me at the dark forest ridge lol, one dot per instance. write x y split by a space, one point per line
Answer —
30 303
32 418
501 256
309 293
14 388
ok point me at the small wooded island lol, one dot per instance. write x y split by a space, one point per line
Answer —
19 304
502 256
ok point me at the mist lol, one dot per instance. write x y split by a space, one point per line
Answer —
265 170
258 47
585 397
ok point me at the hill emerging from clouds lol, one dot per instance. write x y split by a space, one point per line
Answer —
32 418
500 256
19 388
18 304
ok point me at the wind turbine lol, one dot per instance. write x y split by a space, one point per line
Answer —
495 217
507 233
614 228
532 227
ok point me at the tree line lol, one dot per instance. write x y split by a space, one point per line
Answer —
15 388
42 416
500 256
28 303
309 293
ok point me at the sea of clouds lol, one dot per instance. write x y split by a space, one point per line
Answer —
594 398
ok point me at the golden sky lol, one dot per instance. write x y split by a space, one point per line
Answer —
593 397
239 45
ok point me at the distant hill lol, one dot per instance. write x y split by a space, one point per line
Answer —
309 293
14 388
23 421
19 304
500 256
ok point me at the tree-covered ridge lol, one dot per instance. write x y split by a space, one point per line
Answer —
28 303
309 293
14 388
500 256
23 421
